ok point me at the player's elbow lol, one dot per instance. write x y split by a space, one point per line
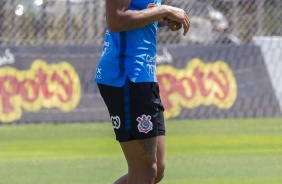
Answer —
118 22
116 26
113 28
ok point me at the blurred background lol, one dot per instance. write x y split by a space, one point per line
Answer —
82 22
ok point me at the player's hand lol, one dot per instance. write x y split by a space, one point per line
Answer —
173 25
179 15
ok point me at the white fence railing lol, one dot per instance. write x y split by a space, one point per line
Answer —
82 22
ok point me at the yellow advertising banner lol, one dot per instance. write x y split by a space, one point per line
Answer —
43 85
198 84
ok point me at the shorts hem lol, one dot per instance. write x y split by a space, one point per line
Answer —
141 138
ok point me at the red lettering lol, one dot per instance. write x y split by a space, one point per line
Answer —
166 92
6 94
42 78
224 87
201 82
66 87
43 86
198 84
190 85
180 87
27 85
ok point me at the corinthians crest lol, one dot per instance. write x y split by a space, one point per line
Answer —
145 125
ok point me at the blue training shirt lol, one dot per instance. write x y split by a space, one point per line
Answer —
129 54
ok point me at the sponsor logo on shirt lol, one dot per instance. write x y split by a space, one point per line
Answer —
98 74
150 58
106 46
151 64
152 68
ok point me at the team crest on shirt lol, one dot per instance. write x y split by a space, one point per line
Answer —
116 122
145 125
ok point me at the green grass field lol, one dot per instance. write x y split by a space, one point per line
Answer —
239 151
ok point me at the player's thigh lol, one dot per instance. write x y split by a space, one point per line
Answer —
140 154
146 152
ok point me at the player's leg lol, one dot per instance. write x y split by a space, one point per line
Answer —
141 166
147 125
143 120
141 156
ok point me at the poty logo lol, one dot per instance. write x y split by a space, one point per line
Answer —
200 83
42 86
145 125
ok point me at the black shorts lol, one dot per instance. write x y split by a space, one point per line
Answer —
135 109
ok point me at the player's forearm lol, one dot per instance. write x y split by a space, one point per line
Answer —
129 19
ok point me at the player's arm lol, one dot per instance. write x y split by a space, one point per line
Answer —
119 18
164 22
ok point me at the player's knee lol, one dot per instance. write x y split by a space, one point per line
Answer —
152 171
149 173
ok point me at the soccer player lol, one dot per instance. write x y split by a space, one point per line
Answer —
127 82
